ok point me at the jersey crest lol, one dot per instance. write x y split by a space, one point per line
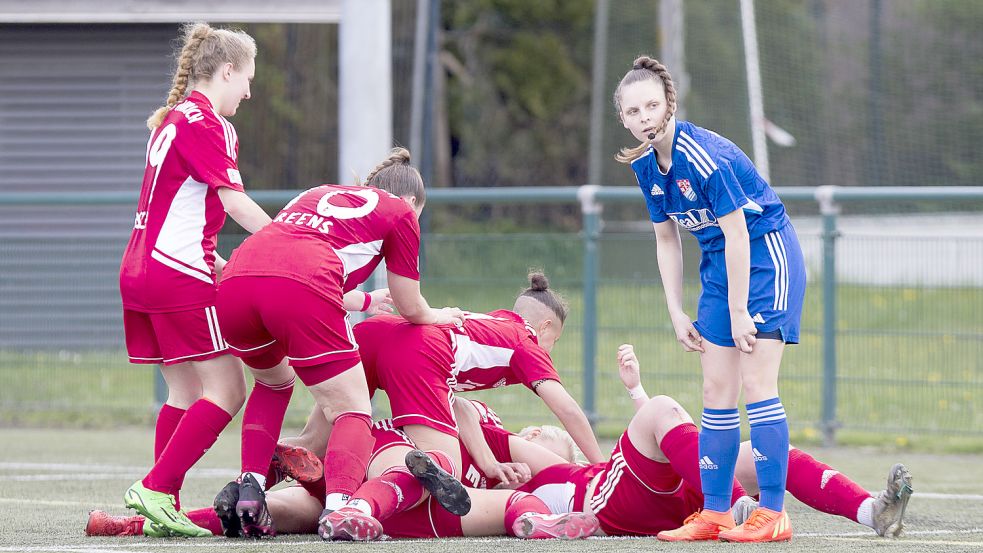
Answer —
686 189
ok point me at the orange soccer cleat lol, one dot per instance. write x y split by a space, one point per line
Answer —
763 525
700 526
295 462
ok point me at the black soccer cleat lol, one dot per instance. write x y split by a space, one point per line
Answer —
225 508
251 509
443 487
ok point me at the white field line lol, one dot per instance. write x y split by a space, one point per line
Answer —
224 543
107 472
53 503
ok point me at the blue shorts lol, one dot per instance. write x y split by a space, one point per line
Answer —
775 294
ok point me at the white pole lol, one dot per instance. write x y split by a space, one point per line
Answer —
755 100
365 114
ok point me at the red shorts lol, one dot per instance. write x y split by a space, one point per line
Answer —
426 520
170 338
412 363
268 318
637 496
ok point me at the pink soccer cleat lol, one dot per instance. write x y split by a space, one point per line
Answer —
566 526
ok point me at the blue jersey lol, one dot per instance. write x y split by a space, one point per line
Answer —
709 178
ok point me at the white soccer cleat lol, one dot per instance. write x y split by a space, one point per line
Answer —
889 505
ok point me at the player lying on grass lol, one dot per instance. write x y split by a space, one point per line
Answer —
652 482
398 496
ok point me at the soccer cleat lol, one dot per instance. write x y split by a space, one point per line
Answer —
763 525
700 526
447 490
225 509
101 523
254 517
350 524
295 462
153 530
565 526
742 509
159 507
889 505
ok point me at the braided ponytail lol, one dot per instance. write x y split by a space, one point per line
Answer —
205 49
642 69
194 35
396 176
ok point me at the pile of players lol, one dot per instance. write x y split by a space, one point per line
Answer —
280 305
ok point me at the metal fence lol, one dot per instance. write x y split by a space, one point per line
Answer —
892 337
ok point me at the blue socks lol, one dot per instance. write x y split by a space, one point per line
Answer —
769 447
720 441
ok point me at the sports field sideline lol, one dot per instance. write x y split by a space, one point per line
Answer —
50 479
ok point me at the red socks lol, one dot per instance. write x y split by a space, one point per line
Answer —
167 421
349 449
520 503
207 519
197 431
397 490
261 424
821 487
681 446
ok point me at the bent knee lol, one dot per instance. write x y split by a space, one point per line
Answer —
666 412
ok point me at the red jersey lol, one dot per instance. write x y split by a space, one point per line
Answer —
486 415
489 351
498 349
169 262
333 235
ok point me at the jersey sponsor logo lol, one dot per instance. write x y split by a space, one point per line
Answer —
686 189
234 176
695 219
707 464
656 191
758 318
140 221
758 456
190 111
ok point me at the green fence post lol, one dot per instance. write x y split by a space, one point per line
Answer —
590 209
829 210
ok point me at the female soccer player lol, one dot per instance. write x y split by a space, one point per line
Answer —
169 269
753 283
282 296
421 368
652 482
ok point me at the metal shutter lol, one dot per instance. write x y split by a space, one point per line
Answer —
73 105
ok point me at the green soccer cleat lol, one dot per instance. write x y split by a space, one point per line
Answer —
153 530
158 507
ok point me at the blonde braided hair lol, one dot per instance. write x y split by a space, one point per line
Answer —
642 69
396 176
205 49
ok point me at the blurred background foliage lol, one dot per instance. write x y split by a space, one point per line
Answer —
865 87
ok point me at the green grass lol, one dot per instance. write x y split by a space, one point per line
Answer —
910 360
52 478
910 365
